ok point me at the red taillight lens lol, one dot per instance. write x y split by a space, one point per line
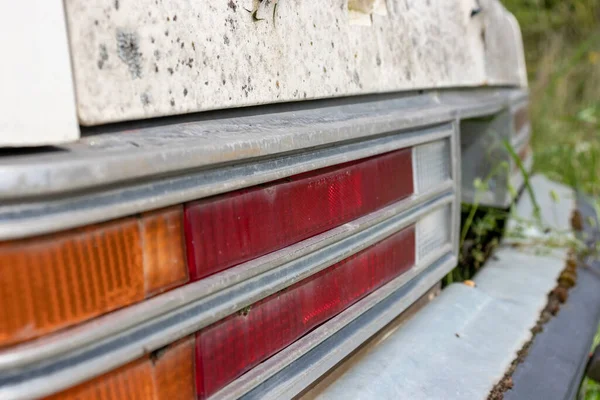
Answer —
230 229
232 346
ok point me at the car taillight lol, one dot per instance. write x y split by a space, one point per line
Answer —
431 165
227 230
232 346
56 281
167 374
433 231
51 282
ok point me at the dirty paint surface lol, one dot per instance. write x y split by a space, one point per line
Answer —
136 59
37 96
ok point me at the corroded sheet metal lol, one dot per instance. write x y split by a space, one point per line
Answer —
136 59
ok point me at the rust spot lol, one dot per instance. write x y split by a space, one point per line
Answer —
561 293
567 279
571 264
576 220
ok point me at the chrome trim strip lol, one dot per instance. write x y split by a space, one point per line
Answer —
71 357
479 103
285 357
519 103
138 167
309 367
49 215
415 176
133 155
132 151
456 160
172 145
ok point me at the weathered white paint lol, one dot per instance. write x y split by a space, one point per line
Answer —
135 59
37 99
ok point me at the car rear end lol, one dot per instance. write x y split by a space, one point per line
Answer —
186 247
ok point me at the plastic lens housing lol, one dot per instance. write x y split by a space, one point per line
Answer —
55 281
230 347
432 165
233 228
163 250
433 231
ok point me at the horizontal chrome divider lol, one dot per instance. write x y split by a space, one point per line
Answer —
519 97
274 364
134 151
49 215
152 151
519 103
305 370
478 103
77 355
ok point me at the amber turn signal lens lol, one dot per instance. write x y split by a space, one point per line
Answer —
51 282
167 374
163 250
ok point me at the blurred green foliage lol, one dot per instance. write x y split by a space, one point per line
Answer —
562 50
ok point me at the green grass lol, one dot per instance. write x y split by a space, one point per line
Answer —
562 51
562 48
